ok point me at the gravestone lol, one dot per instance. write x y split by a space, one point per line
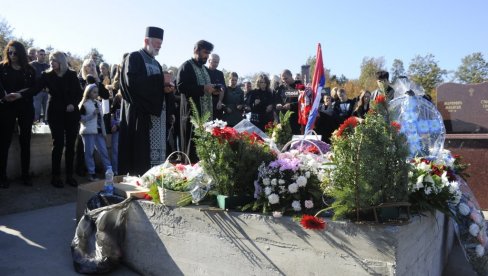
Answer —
464 108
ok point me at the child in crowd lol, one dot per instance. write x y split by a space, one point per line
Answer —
92 130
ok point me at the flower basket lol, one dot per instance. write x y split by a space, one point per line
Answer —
171 198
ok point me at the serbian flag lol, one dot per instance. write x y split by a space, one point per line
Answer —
318 82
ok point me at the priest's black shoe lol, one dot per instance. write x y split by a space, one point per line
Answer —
26 180
57 182
71 181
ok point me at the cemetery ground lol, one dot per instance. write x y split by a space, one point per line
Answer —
45 216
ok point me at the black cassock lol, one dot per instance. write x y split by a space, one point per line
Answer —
143 114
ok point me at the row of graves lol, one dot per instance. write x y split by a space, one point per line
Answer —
384 198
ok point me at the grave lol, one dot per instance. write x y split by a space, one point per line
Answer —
464 108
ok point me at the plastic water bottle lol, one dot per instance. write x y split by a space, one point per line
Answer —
109 181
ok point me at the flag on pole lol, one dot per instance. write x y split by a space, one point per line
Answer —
318 82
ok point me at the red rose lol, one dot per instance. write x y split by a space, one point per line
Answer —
300 86
312 222
147 197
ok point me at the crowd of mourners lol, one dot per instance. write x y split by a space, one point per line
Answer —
145 107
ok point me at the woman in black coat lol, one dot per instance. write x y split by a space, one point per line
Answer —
18 79
260 103
63 113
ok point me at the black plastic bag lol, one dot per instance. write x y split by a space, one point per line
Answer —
97 245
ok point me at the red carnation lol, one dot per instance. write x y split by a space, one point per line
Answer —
313 222
396 125
351 123
380 99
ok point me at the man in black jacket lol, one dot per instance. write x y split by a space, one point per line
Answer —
286 98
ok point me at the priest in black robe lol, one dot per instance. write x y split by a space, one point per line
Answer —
193 82
142 140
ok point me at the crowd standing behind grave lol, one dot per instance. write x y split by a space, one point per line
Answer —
25 88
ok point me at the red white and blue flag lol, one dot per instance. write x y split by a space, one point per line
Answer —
318 82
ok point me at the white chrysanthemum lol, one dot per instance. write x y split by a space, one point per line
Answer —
277 214
410 174
302 181
474 229
307 174
464 209
281 182
296 205
268 191
274 181
453 187
457 197
273 198
428 190
480 250
293 188
220 123
266 181
308 204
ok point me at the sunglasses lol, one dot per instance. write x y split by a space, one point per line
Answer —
12 53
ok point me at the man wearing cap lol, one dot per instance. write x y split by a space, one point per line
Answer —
142 140
193 82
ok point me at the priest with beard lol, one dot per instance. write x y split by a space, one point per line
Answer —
144 110
194 83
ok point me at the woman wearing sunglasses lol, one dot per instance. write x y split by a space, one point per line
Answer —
18 80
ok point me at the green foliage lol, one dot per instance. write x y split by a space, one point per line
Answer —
369 67
95 55
397 70
154 193
281 132
424 70
371 165
232 163
473 69
311 61
5 33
